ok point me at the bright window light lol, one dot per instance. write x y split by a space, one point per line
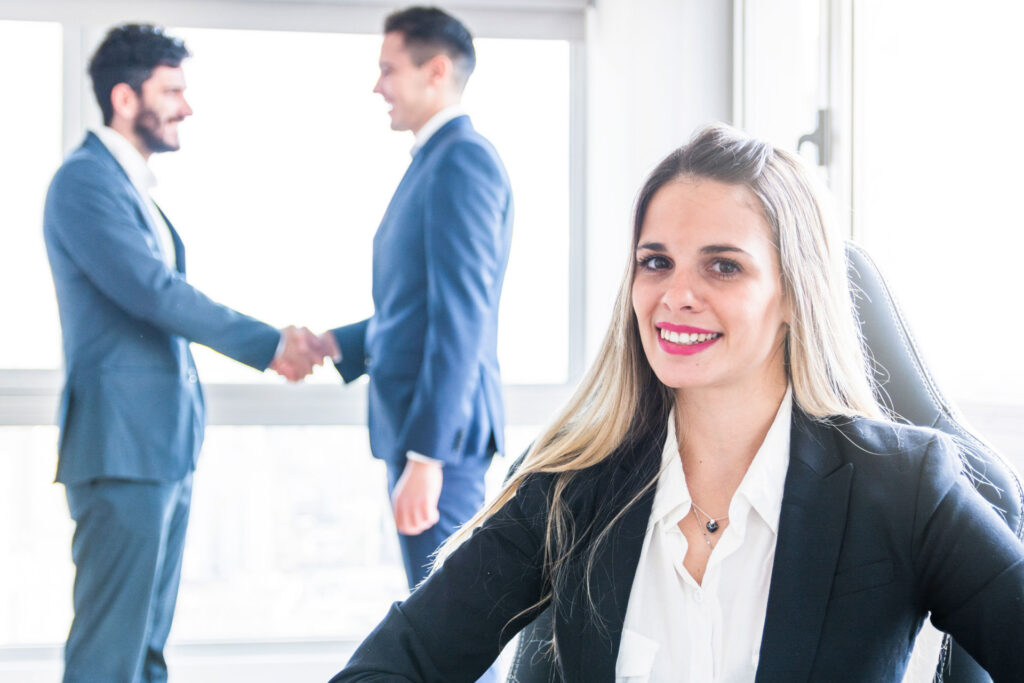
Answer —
30 151
288 165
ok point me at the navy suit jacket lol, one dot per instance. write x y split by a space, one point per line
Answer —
132 407
878 528
439 260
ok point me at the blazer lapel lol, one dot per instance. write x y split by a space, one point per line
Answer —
595 642
94 144
179 246
811 528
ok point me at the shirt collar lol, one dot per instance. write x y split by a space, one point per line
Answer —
672 498
434 124
765 479
129 158
762 485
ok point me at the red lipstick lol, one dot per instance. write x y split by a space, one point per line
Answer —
684 349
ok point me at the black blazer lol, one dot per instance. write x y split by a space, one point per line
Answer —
878 528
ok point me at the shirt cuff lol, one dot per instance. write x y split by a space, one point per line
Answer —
280 347
419 457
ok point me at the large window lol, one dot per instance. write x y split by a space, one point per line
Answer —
288 165
920 149
30 150
284 173
938 179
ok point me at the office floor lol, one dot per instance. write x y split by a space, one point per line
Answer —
272 662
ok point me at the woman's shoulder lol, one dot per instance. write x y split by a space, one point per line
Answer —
886 435
892 446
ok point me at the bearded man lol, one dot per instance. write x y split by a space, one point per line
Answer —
132 413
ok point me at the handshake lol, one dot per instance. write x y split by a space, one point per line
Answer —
301 351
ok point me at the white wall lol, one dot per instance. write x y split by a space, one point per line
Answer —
657 70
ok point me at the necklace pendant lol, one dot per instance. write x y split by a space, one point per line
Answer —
712 526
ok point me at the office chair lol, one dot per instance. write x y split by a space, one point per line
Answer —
908 390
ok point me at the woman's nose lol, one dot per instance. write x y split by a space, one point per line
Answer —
682 292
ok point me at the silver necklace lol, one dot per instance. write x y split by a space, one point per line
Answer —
712 524
700 525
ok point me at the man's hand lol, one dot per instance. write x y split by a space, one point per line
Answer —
330 344
415 497
302 350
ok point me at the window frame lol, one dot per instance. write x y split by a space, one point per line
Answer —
29 397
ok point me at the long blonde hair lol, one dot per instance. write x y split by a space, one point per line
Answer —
620 398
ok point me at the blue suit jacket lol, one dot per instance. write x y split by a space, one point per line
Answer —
430 349
878 528
132 406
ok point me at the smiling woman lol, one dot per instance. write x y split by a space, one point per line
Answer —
737 511
707 271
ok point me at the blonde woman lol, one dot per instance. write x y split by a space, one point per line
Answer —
722 500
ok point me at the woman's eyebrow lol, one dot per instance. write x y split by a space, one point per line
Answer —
721 249
710 249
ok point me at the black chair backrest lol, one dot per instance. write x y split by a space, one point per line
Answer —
908 389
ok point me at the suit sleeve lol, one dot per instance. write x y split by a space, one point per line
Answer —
972 566
351 341
464 253
98 225
455 624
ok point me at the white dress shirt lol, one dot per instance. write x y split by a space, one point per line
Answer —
678 630
141 176
434 124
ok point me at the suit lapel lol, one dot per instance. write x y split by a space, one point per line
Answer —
97 147
419 161
179 246
811 527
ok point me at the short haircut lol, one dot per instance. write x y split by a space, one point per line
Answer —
429 31
129 54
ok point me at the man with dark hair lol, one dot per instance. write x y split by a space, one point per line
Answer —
435 405
132 414
427 31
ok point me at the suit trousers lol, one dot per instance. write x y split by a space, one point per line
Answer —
127 548
462 495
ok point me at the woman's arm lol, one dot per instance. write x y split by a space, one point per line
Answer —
455 624
971 566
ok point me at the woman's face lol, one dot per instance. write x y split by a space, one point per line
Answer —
707 293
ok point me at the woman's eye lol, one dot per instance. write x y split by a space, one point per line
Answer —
726 267
654 263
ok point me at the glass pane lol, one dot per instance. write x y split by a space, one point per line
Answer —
533 332
783 79
35 539
938 181
288 166
298 516
30 151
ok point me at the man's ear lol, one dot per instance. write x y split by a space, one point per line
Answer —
440 69
124 101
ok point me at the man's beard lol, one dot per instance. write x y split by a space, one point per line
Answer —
147 127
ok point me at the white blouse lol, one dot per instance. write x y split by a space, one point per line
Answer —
676 630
